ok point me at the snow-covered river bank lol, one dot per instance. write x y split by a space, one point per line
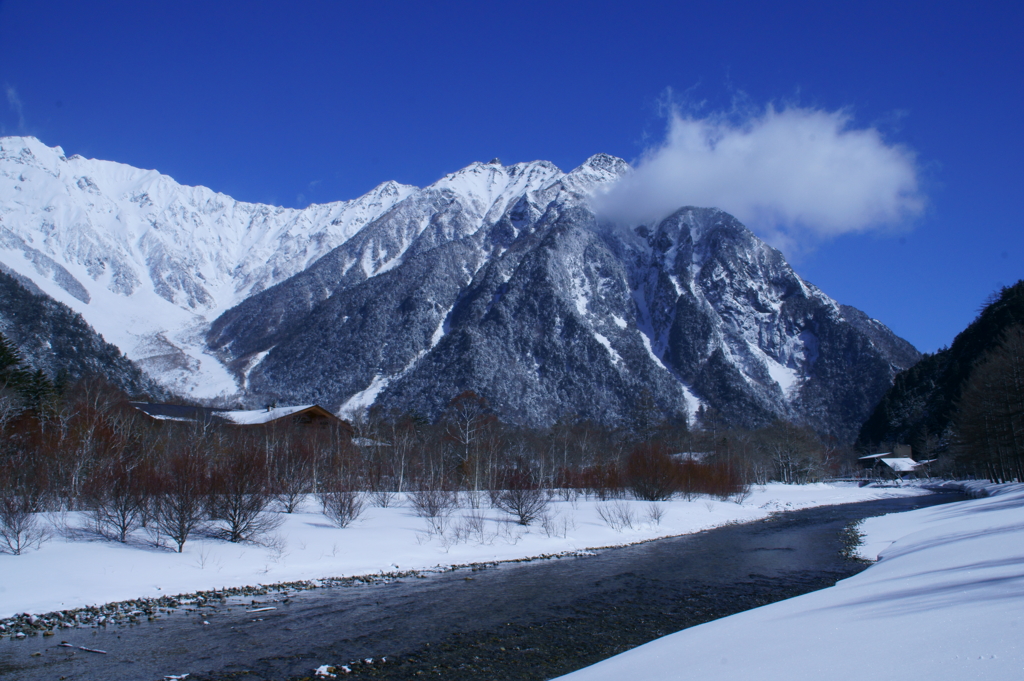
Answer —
514 621
944 601
89 570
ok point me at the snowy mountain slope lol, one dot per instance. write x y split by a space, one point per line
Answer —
58 342
499 279
736 323
453 208
547 312
548 328
148 261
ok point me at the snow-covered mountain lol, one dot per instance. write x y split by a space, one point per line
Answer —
148 262
55 340
499 279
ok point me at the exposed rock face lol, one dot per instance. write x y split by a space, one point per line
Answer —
499 279
547 312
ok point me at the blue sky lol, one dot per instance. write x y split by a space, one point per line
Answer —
291 103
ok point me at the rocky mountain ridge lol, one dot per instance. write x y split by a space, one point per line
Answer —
498 279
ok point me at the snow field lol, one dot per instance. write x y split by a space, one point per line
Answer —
944 601
90 570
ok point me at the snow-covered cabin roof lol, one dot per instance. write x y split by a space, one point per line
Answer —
250 417
253 417
883 455
901 465
177 412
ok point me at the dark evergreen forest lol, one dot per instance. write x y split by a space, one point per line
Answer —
963 404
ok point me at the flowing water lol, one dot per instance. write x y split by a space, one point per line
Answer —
514 621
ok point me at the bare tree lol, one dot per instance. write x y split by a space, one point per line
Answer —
293 467
20 528
182 489
23 489
466 417
10 407
83 431
795 452
117 496
383 476
240 495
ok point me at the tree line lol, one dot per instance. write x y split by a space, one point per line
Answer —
988 423
84 447
961 406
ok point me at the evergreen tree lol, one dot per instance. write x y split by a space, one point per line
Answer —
14 373
923 398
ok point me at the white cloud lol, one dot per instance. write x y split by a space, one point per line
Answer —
14 102
788 174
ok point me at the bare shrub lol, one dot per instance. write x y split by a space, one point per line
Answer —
651 472
341 505
716 479
278 546
556 525
434 501
383 491
240 495
603 481
655 513
117 497
510 532
521 494
742 495
617 515
340 490
569 484
60 523
20 528
570 494
434 504
473 499
474 523
293 474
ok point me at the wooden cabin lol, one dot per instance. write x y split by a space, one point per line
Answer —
301 415
894 465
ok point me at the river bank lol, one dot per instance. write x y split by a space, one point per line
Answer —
942 602
511 621
79 569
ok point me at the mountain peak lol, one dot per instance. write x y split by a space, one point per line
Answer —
29 150
491 279
607 163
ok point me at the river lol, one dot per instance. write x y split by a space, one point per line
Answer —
531 620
